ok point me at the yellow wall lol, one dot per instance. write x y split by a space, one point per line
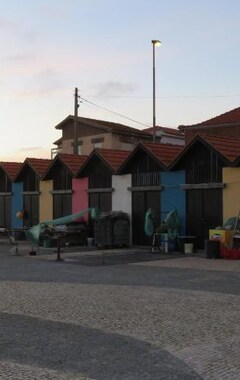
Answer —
46 201
231 193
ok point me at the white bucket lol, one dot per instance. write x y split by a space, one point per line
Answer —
188 248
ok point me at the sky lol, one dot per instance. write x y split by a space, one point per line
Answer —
103 47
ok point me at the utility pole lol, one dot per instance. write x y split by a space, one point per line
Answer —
154 43
75 138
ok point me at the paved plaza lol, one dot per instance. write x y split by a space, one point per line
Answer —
169 318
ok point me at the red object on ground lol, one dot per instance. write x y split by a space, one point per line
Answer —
230 253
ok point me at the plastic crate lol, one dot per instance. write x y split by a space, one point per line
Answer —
112 229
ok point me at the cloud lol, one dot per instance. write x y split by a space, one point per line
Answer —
112 88
19 58
29 149
17 34
47 79
42 83
30 36
8 25
21 154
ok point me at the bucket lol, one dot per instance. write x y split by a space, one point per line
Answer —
188 248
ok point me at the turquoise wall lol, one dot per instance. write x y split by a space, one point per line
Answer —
172 197
17 203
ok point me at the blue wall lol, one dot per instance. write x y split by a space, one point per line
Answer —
172 197
17 203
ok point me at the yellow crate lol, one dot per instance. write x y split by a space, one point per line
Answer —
224 236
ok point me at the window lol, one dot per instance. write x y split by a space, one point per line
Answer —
97 142
79 147
127 146
98 145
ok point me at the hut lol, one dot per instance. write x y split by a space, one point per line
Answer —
145 165
204 158
106 190
68 193
28 177
10 202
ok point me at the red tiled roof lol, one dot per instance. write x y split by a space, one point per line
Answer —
11 168
229 117
228 147
169 131
39 165
107 125
165 153
114 158
72 161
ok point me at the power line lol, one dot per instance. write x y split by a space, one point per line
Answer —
114 113
166 97
161 97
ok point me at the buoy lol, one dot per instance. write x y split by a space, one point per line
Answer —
20 214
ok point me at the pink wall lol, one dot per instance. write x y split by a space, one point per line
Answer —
80 196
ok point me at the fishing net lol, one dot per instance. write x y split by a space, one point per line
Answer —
33 233
149 224
173 224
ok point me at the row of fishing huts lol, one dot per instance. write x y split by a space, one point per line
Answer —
200 180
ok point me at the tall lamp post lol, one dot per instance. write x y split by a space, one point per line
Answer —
154 43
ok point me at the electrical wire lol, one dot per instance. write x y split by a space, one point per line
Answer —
166 97
139 97
114 113
135 97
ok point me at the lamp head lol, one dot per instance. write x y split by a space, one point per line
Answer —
156 42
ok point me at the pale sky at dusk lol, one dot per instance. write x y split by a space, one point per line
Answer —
103 47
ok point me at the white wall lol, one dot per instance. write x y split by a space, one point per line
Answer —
121 197
172 140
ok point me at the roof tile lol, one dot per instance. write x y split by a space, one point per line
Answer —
39 165
228 147
72 161
114 158
11 168
229 117
165 153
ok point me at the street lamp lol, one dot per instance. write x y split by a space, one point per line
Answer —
154 43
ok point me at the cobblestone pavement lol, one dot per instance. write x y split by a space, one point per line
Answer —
165 319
